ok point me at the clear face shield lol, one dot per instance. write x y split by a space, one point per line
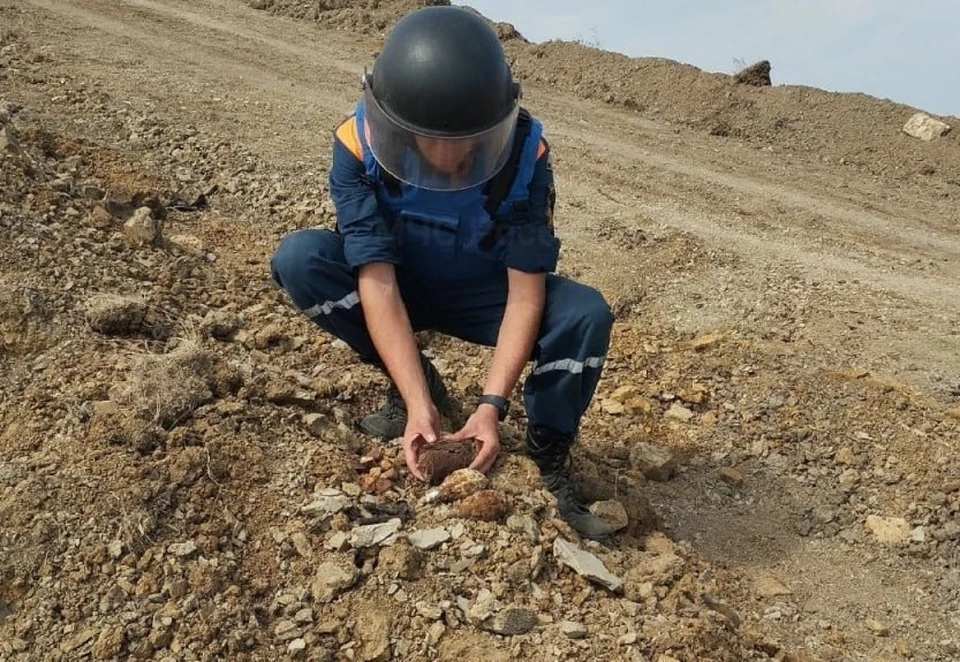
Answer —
436 162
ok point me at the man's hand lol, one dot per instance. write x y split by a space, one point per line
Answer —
482 425
422 428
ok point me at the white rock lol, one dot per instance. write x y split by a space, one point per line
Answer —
141 228
611 512
655 462
428 539
331 579
375 534
573 630
297 647
679 412
183 549
889 529
326 505
924 127
115 549
585 564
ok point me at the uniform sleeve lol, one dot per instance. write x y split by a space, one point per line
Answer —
533 245
366 235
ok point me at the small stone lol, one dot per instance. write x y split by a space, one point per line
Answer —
474 551
428 539
305 615
115 549
431 613
679 412
297 647
326 505
373 629
331 579
511 621
731 476
655 462
706 341
629 639
612 512
524 524
845 456
302 545
285 630
878 628
403 561
585 564
924 127
108 644
338 542
141 228
612 407
768 587
624 393
435 633
638 405
375 534
573 630
889 530
658 543
919 534
183 549
76 641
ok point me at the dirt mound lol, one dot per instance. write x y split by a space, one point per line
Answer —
853 130
367 17
371 17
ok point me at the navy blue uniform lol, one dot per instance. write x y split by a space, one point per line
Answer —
449 282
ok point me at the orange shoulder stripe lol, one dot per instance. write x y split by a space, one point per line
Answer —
348 135
541 148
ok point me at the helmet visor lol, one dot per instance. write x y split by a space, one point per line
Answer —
439 163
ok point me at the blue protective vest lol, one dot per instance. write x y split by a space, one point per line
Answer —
440 233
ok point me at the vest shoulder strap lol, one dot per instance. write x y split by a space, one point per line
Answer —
500 184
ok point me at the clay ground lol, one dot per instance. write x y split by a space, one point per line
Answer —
788 327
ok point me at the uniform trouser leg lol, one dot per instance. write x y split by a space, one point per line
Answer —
309 265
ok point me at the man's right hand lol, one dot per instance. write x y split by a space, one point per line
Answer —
423 424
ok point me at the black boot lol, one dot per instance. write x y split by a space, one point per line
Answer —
390 421
551 453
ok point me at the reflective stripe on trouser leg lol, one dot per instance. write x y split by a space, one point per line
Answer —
571 350
309 265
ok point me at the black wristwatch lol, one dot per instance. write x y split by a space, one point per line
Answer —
502 404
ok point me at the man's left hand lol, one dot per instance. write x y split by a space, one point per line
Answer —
482 425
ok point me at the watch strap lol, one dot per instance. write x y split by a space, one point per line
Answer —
502 404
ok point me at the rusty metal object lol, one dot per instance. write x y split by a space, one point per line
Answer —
444 456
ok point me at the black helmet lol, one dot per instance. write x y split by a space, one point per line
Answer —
441 102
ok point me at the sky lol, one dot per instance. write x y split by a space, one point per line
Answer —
907 51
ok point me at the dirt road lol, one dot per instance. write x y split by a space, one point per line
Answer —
836 297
